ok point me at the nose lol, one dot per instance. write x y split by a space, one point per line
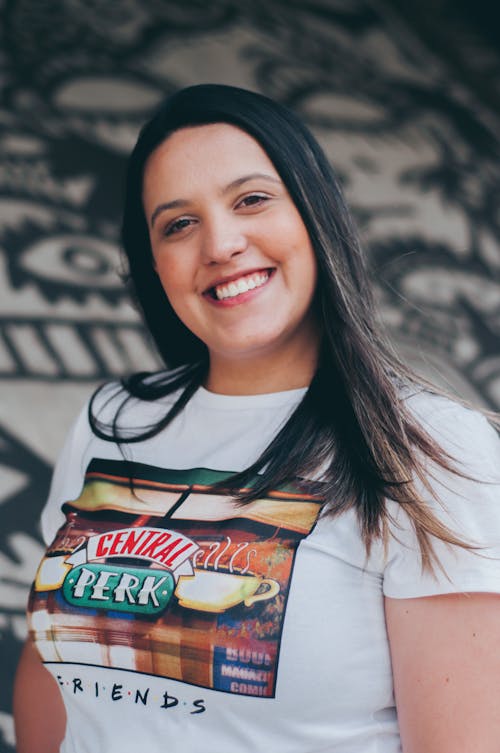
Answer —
222 240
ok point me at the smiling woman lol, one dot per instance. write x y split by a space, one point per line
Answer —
272 543
234 258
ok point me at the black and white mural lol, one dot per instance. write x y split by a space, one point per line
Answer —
407 107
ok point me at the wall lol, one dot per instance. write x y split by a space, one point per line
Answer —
413 138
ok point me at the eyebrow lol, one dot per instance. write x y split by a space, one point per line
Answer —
179 203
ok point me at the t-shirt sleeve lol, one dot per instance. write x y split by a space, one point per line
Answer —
68 475
470 507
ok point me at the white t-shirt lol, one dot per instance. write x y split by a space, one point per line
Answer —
175 621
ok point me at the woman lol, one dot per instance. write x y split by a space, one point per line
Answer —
286 542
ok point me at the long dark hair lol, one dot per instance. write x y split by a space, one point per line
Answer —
352 421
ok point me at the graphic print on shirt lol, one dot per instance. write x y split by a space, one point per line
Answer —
169 577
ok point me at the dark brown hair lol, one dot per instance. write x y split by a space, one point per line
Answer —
353 421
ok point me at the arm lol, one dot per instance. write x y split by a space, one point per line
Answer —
446 666
39 714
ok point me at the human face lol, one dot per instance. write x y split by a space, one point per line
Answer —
231 250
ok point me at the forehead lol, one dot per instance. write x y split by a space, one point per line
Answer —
217 150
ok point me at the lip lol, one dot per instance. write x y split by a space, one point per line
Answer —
236 276
241 297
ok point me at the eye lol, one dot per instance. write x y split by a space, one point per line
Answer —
64 263
177 226
252 200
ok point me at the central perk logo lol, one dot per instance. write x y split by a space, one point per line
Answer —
88 580
118 588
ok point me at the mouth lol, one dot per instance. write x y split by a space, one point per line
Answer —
239 285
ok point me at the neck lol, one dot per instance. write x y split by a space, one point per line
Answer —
262 375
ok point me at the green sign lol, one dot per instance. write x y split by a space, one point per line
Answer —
133 590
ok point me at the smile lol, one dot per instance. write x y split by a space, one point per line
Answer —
240 285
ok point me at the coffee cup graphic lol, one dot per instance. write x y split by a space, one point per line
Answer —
51 573
213 591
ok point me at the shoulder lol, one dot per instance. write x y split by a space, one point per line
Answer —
466 501
462 432
433 409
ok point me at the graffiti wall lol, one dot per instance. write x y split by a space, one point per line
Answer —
415 143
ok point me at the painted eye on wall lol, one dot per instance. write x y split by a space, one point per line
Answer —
66 265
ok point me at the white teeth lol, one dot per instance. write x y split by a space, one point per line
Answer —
242 285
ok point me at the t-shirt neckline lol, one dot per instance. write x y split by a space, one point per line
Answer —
205 398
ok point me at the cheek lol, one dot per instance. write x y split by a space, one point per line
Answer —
304 261
296 245
177 282
308 278
172 274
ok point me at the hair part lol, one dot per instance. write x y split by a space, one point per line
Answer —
352 421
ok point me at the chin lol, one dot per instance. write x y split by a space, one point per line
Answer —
251 348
